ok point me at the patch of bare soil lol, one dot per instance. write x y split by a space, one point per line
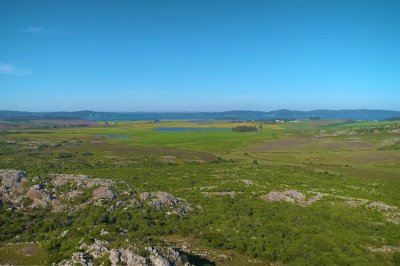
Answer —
222 193
377 157
136 150
284 145
169 159
28 250
313 143
347 145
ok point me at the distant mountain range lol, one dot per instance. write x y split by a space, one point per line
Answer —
283 114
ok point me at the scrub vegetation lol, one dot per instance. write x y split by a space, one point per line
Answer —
290 193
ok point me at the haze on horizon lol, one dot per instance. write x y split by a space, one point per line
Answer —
199 55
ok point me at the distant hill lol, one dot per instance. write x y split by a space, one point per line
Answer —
361 114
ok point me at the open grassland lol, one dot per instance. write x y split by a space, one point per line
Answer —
143 133
295 193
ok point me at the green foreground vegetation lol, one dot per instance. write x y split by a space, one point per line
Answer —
225 176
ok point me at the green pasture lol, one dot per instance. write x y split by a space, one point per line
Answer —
192 165
141 133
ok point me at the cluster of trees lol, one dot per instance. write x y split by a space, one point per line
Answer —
244 129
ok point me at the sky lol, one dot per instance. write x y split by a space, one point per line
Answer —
199 55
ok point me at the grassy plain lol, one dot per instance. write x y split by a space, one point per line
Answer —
340 159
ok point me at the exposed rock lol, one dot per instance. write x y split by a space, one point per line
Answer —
64 186
41 199
103 193
114 257
385 249
58 206
83 258
80 180
145 196
62 179
292 196
11 187
164 200
64 233
173 254
391 213
381 206
39 187
248 182
97 249
80 258
355 202
133 203
167 256
126 257
103 232
74 194
159 260
10 178
132 259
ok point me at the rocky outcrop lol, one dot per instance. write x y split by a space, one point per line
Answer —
80 181
164 200
114 257
391 213
132 204
12 188
126 257
61 192
97 249
354 202
78 258
131 259
385 249
73 194
103 193
40 198
165 256
292 196
158 259
11 178
65 192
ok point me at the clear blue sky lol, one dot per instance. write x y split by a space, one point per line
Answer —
199 55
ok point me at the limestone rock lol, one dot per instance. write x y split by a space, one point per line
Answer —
114 257
103 193
164 200
292 196
10 178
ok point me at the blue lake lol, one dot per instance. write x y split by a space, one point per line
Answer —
181 129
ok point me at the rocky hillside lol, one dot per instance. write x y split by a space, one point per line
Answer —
64 193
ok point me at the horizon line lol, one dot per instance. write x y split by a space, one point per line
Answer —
232 110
